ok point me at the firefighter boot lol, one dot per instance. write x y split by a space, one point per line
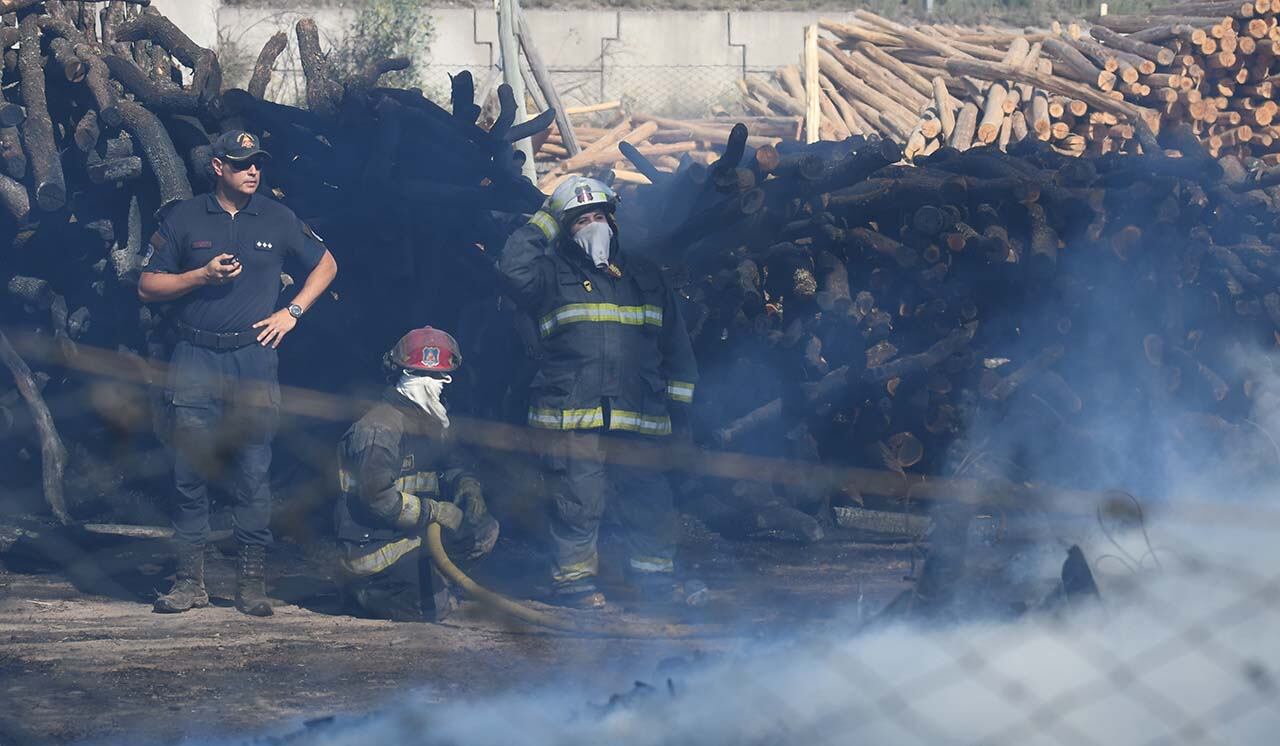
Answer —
251 581
578 594
188 586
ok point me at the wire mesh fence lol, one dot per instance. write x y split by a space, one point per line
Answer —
1179 648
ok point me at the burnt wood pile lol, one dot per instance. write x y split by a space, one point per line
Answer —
983 314
979 314
107 112
1078 86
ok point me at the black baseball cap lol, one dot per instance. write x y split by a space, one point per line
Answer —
238 145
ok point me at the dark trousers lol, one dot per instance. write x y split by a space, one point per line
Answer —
223 407
580 478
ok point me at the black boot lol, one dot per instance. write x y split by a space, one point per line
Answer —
251 581
188 586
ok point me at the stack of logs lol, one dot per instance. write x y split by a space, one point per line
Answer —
107 112
1025 313
1079 87
979 311
662 140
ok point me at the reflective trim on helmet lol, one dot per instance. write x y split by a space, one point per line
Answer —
652 564
620 419
608 313
566 419
379 560
680 391
410 512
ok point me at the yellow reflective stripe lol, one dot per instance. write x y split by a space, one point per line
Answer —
635 422
378 560
410 511
607 313
566 419
423 481
652 564
588 568
545 223
680 391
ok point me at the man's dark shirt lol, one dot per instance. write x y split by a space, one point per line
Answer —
262 235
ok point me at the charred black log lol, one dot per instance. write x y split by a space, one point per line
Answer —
206 74
37 134
261 77
323 92
157 147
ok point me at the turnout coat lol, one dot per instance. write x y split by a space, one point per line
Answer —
614 348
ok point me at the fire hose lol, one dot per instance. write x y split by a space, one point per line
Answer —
594 627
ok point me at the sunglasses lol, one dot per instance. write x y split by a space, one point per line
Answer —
239 166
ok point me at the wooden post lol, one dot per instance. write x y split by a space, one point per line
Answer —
813 105
507 10
543 77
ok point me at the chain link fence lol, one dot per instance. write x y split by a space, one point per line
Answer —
677 91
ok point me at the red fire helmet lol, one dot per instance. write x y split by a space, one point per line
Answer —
427 349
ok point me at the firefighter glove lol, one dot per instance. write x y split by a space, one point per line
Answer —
446 514
470 497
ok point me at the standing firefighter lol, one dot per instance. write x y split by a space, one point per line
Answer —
218 258
400 470
615 357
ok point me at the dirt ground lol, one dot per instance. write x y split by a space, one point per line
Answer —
83 658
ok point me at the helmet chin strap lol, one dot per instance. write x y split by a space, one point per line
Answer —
425 392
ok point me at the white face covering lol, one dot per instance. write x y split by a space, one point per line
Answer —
425 392
594 238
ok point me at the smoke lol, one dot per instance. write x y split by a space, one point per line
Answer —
1181 654
1181 648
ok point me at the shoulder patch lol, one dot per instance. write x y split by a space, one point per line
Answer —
306 229
157 242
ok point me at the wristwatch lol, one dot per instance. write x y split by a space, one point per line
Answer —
295 310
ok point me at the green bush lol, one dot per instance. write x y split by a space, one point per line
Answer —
382 29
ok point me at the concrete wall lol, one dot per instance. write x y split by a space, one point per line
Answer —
677 62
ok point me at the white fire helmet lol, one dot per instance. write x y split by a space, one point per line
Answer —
580 193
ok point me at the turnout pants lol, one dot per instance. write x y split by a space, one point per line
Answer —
579 480
397 580
223 407
411 590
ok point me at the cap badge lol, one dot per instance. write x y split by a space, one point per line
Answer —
431 357
246 140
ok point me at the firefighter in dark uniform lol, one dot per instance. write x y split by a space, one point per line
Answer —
615 359
399 470
218 258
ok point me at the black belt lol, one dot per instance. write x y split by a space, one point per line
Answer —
215 340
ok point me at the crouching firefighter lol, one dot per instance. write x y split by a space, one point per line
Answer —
399 470
616 361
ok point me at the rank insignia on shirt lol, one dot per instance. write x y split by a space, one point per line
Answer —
266 245
613 270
